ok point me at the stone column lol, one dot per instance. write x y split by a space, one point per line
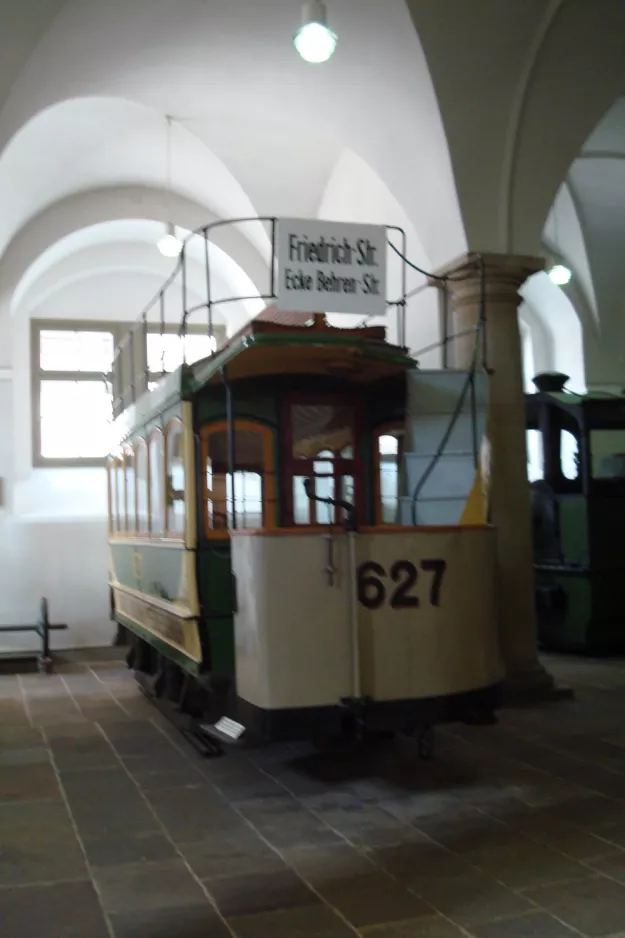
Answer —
510 509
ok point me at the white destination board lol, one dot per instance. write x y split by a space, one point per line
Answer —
331 267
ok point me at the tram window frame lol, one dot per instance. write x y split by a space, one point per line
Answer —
175 427
268 489
345 468
398 430
40 375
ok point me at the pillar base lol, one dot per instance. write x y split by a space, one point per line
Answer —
535 685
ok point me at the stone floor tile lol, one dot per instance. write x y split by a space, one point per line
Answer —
430 927
20 737
532 925
262 892
591 812
126 848
305 922
13 713
200 814
82 752
65 910
595 906
147 888
372 899
561 835
416 864
471 898
231 855
194 921
319 865
24 756
35 782
522 864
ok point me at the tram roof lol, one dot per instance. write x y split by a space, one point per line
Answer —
315 348
277 342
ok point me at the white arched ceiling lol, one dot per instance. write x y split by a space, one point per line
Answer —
556 330
129 246
520 87
228 74
565 240
355 193
82 210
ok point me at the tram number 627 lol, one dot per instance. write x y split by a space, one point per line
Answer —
372 589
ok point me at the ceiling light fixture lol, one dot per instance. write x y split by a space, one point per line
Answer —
314 41
169 245
560 275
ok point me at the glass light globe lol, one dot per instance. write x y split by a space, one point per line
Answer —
560 275
315 42
169 245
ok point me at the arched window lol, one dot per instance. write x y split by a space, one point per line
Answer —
174 449
251 505
157 482
141 471
129 471
388 446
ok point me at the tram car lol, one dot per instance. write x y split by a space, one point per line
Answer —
264 565
577 449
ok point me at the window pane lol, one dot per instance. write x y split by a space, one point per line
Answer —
141 465
301 502
129 462
568 455
324 488
63 350
607 453
157 485
318 427
175 481
121 496
76 419
165 352
248 480
535 469
388 455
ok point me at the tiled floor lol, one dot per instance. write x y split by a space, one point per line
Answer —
110 825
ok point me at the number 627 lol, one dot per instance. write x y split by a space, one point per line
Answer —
372 590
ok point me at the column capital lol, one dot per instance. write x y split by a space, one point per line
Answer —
507 271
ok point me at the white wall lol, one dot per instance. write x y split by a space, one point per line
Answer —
53 527
355 193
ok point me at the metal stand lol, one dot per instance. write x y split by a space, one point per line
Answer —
43 629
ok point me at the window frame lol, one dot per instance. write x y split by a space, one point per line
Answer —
174 425
269 487
38 375
343 467
385 429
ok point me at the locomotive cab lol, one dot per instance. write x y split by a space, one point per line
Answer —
576 446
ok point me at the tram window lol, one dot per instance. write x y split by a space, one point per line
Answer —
120 499
157 483
322 450
388 445
534 445
569 455
175 479
250 477
129 467
141 469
